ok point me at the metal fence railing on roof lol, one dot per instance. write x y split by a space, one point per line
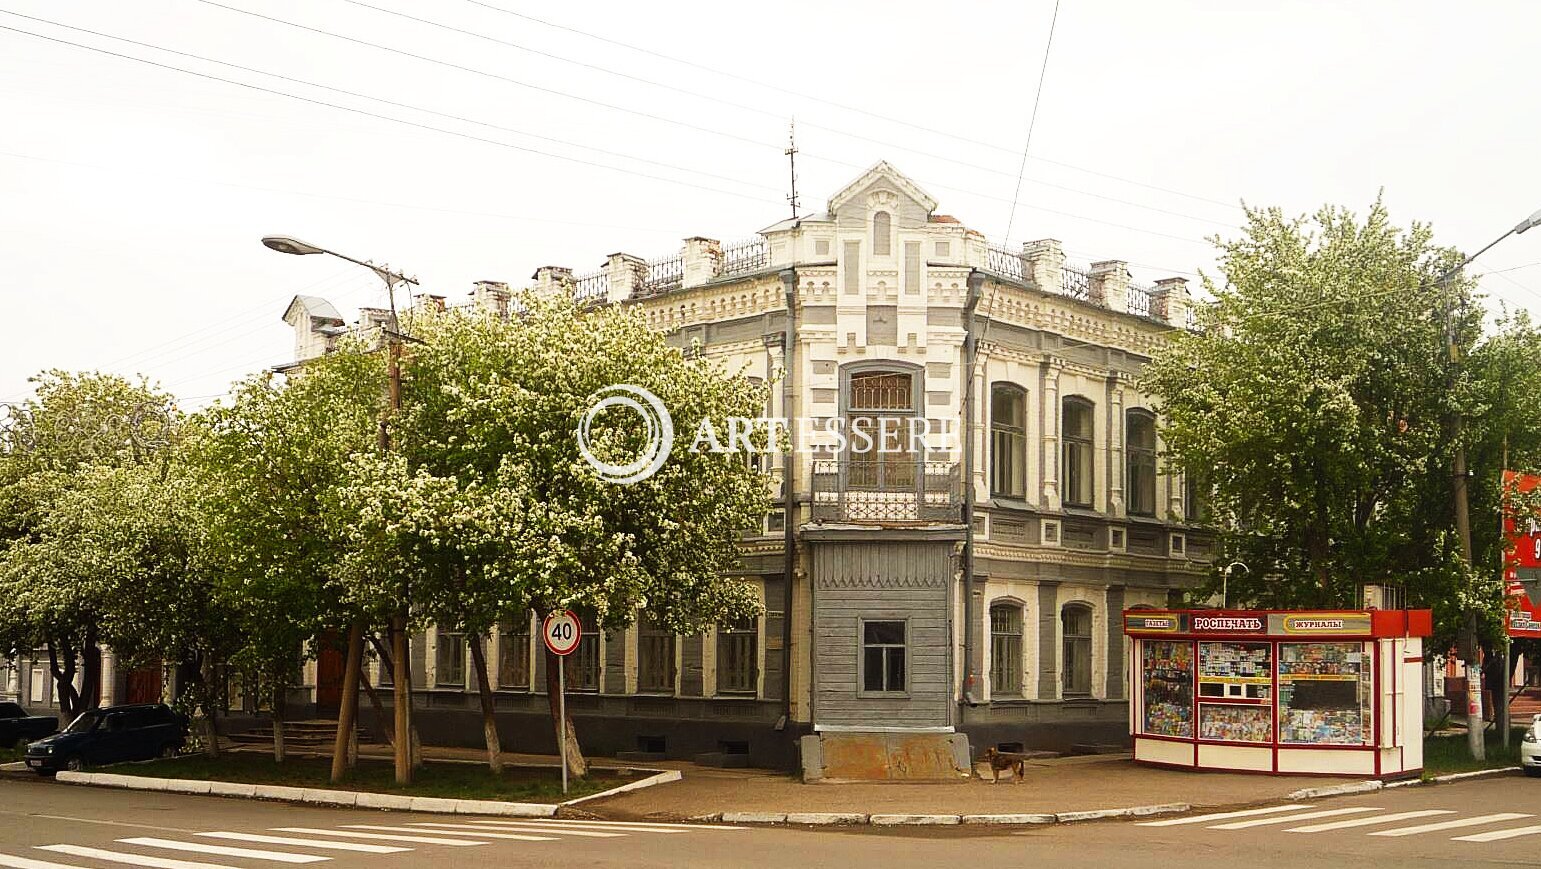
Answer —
1076 282
1139 300
660 276
750 255
594 286
1006 263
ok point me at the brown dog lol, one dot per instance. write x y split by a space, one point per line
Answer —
1005 760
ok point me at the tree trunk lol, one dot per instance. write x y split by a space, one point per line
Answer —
347 715
577 767
279 689
210 708
401 688
91 673
64 683
379 708
489 720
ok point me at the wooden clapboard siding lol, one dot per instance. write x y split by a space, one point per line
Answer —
881 580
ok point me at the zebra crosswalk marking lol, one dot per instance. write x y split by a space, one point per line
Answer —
224 850
1452 825
652 826
517 837
1497 835
1303 816
27 863
131 859
529 828
380 837
1221 816
358 847
1366 822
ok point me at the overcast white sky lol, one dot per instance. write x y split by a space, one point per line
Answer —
132 197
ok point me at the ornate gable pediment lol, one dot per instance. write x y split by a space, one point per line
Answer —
892 183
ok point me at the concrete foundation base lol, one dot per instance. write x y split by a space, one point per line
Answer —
914 757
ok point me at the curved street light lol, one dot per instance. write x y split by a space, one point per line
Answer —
291 245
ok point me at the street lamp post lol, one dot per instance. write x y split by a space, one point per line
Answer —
1459 473
401 683
1225 583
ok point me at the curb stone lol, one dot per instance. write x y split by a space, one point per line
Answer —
368 800
232 789
508 810
1091 815
1008 819
330 798
1359 787
825 818
914 820
754 817
279 792
1481 773
1161 809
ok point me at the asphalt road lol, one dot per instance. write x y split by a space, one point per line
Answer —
44 825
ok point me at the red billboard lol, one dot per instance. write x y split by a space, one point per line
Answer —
1522 558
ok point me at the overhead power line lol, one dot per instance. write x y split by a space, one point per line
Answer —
846 107
1032 120
377 115
750 108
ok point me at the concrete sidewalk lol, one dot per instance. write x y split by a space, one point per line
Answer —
1055 786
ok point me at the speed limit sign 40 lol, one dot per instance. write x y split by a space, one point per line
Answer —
562 631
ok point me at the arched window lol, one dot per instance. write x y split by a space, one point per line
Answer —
1008 441
1076 631
879 407
882 232
1140 457
1076 428
1005 649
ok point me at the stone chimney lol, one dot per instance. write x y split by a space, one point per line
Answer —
1044 260
702 259
1110 284
624 274
1169 302
492 297
553 280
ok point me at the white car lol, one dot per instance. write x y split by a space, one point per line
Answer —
1530 748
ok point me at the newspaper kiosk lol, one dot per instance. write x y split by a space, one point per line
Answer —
1329 692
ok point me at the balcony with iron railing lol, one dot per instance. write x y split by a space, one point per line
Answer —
892 490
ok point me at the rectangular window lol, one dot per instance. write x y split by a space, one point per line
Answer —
738 656
943 248
883 657
450 658
582 666
1076 424
37 688
1324 694
852 267
1076 624
821 247
912 267
514 655
1168 688
1008 442
1005 650
655 658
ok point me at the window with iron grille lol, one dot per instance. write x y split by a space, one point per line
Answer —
883 657
738 656
876 396
655 657
582 666
1140 456
1008 441
450 657
1076 428
1076 630
1005 649
514 655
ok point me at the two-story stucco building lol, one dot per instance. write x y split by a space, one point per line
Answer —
972 587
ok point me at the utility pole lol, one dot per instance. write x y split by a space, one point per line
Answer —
401 684
1469 648
1501 709
791 153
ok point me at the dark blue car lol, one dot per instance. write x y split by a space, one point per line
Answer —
110 735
